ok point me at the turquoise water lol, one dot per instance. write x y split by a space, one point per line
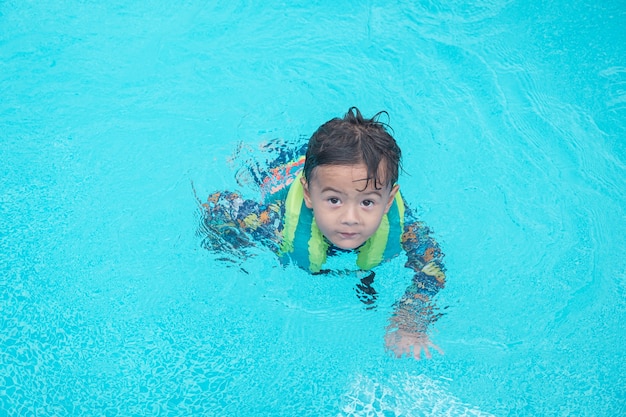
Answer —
511 116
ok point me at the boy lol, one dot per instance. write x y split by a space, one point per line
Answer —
345 198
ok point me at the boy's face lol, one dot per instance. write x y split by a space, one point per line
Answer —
345 211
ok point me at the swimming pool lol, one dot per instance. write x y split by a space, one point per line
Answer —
511 117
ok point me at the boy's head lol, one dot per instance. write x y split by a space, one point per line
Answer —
355 140
349 178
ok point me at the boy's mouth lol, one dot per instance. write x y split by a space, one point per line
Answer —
347 235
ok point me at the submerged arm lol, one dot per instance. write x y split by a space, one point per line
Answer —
231 224
407 333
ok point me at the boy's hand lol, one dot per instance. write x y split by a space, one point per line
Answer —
402 342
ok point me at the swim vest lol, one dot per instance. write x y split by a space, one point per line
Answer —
301 232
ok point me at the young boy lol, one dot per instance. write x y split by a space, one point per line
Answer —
345 198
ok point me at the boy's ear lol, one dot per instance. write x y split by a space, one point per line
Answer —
307 194
392 195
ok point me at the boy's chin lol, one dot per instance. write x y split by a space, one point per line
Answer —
350 245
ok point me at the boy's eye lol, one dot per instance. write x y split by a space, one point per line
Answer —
368 203
333 200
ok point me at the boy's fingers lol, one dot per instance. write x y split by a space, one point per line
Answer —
417 352
427 352
437 348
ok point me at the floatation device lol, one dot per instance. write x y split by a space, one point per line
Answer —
300 233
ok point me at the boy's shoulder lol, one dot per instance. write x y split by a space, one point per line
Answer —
275 185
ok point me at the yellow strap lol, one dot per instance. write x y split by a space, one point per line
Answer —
293 204
317 248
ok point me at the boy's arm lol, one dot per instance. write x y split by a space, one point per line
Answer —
230 224
415 311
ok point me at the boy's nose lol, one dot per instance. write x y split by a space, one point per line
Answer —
350 216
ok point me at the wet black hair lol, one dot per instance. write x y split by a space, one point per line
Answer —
353 140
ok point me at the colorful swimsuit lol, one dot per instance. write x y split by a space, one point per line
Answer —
232 223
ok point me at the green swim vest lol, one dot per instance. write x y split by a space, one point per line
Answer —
301 232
